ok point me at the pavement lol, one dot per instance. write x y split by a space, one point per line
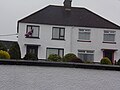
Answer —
13 77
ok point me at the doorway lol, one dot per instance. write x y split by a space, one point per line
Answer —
32 49
109 54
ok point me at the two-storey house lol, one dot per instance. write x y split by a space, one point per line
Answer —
65 29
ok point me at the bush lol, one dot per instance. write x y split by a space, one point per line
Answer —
4 55
118 63
105 60
54 57
76 60
2 47
30 56
69 57
15 51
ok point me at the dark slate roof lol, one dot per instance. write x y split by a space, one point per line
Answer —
57 15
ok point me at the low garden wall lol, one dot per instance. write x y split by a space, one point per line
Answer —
59 64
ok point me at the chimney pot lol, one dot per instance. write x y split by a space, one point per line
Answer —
67 4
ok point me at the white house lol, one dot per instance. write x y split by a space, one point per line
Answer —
65 29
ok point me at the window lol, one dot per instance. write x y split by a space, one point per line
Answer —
86 55
32 31
58 33
109 36
84 34
57 51
32 49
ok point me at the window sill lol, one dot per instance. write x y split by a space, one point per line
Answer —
58 39
110 42
33 37
83 40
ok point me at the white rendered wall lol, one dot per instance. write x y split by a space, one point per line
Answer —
96 43
45 41
70 44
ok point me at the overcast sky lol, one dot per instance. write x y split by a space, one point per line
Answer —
13 10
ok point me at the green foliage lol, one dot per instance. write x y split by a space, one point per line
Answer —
118 63
54 57
4 55
105 60
76 60
15 51
69 57
2 47
30 56
88 62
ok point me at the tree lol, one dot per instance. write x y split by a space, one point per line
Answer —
2 47
15 51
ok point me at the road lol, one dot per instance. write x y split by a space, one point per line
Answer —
55 78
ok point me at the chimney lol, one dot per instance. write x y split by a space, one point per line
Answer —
67 4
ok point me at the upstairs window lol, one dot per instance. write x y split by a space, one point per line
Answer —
84 34
86 55
109 36
32 31
58 33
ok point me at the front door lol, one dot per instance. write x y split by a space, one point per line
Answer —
109 54
32 49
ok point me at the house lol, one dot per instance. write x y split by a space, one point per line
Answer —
65 29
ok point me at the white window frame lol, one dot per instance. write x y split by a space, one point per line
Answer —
84 31
106 32
86 52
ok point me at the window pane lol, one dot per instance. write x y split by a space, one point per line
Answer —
85 55
35 32
58 33
109 37
32 31
51 51
55 33
61 53
89 57
62 32
84 35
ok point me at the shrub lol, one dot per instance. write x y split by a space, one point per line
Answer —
118 63
4 55
15 51
30 56
76 60
69 57
88 62
54 57
105 60
2 47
